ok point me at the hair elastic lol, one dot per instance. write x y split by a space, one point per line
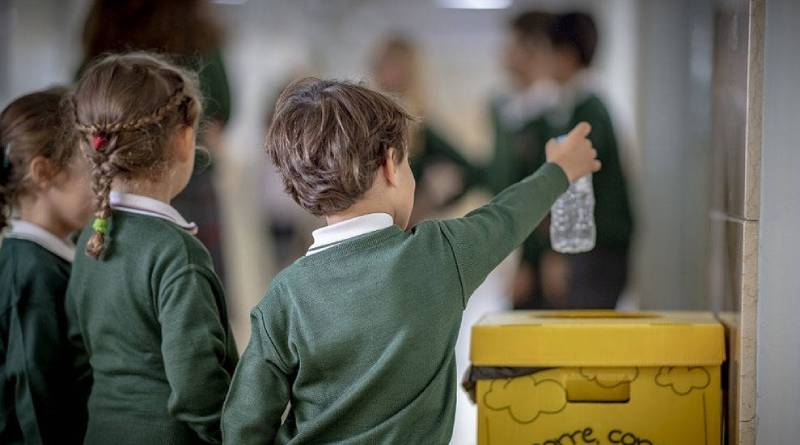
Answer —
100 225
99 141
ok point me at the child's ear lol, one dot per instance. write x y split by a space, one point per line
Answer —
389 167
41 171
185 146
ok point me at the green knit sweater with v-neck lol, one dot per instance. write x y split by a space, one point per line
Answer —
360 337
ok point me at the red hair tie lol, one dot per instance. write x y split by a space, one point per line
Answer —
99 141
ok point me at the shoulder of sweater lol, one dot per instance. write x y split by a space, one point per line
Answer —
32 259
591 104
168 242
33 266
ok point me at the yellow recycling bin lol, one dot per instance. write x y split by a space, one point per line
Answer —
599 377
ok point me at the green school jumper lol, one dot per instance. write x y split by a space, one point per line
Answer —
151 314
39 402
360 337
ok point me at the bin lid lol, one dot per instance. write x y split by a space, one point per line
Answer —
597 338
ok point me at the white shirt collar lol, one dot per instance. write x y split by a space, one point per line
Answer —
31 232
570 94
328 236
523 106
142 205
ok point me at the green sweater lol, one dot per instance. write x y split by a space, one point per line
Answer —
360 337
39 404
151 315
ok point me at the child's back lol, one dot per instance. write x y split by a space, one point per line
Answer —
359 334
149 328
143 299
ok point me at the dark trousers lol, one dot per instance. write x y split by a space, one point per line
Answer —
596 280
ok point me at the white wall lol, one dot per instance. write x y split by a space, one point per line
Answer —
673 193
778 390
43 44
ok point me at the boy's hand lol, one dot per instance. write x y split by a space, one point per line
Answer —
574 153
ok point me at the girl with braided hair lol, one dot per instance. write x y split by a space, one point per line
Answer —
43 183
144 300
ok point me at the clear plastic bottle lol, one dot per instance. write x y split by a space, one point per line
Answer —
572 228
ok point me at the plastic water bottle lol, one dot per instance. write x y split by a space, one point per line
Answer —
572 228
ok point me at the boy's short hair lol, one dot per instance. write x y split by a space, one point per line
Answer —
328 139
576 31
532 26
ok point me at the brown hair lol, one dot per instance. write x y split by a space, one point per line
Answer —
532 26
328 139
127 109
169 26
32 125
578 32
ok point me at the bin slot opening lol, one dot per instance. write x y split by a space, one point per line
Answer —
583 391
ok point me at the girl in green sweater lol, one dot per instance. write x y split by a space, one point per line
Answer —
143 298
43 184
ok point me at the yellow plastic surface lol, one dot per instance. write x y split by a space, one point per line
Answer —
603 385
597 338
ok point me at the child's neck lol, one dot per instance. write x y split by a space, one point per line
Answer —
36 211
152 189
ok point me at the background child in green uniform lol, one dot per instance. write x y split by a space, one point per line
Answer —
520 133
359 334
143 299
595 278
44 183
442 172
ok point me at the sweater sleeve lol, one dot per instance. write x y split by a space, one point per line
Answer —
259 392
194 349
484 237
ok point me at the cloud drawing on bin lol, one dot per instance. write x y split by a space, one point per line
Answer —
682 379
609 377
525 399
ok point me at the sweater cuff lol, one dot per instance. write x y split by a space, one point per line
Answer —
558 175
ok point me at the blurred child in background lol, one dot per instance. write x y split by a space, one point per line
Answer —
597 278
44 197
442 172
520 133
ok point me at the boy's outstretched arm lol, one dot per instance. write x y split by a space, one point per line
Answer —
484 237
259 392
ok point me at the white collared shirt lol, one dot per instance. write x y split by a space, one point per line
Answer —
520 108
143 205
569 95
25 230
328 236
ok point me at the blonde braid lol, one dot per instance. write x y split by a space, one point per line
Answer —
103 172
177 99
